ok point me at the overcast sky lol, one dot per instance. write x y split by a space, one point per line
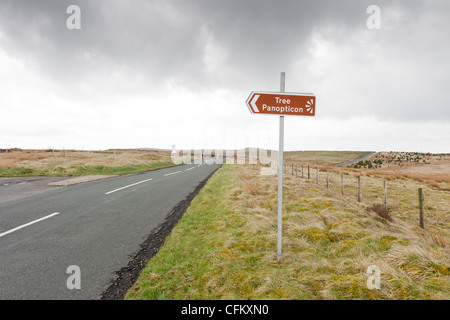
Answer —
165 72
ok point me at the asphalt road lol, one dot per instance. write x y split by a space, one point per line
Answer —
97 226
22 187
356 160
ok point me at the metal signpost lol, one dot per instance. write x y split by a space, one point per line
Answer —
281 103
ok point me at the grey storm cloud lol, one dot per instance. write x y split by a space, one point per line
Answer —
168 38
233 44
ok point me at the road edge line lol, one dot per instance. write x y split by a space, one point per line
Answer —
28 224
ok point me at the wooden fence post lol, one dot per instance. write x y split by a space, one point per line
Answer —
317 175
292 169
359 188
421 207
302 171
296 171
328 179
385 194
342 183
309 176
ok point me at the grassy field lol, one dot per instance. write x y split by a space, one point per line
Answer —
321 157
224 247
22 163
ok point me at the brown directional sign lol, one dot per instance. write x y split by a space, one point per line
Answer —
290 104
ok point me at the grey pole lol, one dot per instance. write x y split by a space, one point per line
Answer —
280 175
328 179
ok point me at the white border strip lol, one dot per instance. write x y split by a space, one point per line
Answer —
28 224
169 174
130 185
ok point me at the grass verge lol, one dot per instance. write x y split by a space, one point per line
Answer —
59 171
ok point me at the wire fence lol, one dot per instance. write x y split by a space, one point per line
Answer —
406 199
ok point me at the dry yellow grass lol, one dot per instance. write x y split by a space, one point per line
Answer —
321 157
225 245
327 229
439 181
38 159
422 163
72 162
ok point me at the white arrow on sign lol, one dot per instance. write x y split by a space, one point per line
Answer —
253 103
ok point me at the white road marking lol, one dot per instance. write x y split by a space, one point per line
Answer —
169 174
199 165
28 224
190 168
130 185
